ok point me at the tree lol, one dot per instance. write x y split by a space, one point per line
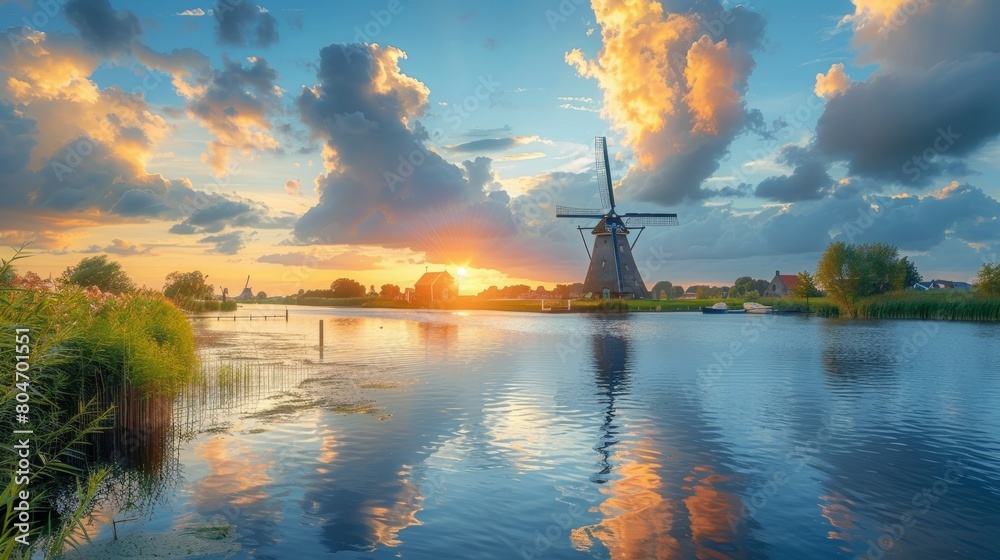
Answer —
676 291
700 292
852 272
99 271
186 286
906 275
261 295
371 291
839 273
988 280
664 286
390 292
347 288
806 287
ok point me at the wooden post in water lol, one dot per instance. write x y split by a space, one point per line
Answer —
286 314
321 335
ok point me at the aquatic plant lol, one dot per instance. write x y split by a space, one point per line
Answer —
85 346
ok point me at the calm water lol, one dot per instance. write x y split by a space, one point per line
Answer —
496 435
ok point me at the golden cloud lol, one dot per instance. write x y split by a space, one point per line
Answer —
833 83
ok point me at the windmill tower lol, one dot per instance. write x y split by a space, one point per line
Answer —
612 266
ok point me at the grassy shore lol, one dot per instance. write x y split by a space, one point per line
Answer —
88 354
939 305
553 305
943 305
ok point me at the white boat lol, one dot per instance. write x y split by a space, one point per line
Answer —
754 307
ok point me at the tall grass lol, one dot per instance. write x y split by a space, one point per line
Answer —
92 358
944 305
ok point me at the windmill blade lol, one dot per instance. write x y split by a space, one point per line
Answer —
603 174
570 212
649 219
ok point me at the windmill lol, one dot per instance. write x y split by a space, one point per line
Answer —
247 291
612 266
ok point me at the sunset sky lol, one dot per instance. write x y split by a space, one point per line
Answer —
302 141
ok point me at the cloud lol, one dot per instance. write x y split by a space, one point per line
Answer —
218 214
351 260
235 104
293 187
242 23
382 185
572 107
228 243
833 83
929 104
103 28
197 12
809 181
491 144
673 84
521 157
895 33
118 247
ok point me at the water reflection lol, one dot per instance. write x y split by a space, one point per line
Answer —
662 502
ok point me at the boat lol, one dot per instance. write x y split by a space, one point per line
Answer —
716 309
754 307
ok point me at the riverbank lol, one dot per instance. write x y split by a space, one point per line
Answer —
546 306
95 365
932 305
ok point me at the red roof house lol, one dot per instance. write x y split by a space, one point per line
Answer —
781 285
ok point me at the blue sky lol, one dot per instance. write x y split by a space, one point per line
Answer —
243 154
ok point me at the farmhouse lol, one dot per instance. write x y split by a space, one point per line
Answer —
434 286
781 285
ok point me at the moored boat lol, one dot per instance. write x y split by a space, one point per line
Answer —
716 309
754 307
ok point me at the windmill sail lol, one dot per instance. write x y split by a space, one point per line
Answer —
603 173
612 265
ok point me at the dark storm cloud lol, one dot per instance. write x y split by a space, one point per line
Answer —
241 22
106 30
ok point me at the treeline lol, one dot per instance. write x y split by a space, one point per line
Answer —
522 291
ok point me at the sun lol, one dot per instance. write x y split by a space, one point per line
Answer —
460 271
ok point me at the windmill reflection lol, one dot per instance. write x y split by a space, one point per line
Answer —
611 371
664 496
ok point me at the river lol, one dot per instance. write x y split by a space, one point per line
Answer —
514 435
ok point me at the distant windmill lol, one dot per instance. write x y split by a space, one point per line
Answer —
247 291
612 266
